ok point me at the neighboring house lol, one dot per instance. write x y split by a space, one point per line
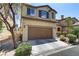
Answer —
62 24
38 22
76 24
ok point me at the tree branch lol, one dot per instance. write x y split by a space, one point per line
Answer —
4 20
5 24
13 14
6 11
1 6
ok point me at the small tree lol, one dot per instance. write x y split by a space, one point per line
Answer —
8 10
75 31
69 23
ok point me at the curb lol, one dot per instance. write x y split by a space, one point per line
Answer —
59 50
52 51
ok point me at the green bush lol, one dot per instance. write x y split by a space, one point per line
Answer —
20 37
75 31
0 49
23 49
59 34
72 38
0 25
62 38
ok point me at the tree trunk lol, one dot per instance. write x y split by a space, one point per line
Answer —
13 38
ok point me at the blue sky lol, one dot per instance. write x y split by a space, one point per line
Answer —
66 9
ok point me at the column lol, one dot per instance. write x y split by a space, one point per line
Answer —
54 32
25 33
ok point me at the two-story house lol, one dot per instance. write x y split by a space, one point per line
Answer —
38 22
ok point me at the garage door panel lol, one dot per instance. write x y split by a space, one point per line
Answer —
39 33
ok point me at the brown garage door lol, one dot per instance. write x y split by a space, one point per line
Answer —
39 33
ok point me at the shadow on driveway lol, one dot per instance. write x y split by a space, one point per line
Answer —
41 41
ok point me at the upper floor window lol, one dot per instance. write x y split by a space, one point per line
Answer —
31 11
53 16
43 14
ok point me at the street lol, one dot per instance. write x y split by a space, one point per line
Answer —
69 52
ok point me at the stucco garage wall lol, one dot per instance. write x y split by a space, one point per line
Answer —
37 23
29 22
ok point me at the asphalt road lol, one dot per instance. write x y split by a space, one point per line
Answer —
69 52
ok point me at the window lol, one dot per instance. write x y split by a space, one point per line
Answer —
31 11
58 29
53 15
43 14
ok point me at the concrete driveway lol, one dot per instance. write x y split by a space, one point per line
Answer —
45 47
40 41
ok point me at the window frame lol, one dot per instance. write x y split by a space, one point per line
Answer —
53 15
46 15
31 10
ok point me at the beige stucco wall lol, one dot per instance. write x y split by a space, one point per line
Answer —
25 33
37 22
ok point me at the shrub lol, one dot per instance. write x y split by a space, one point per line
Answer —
72 38
23 49
0 49
20 37
62 38
59 34
75 31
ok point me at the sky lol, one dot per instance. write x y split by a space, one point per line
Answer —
66 9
